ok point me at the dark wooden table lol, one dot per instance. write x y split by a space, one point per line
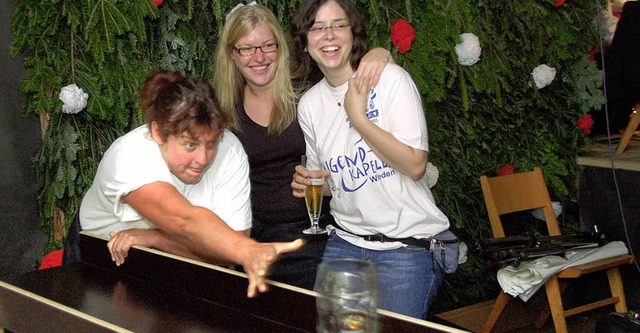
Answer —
157 292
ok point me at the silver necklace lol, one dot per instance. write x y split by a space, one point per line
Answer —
337 100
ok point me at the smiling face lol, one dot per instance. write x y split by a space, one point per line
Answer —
257 69
188 157
331 47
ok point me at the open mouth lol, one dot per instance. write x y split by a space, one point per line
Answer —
330 49
196 171
259 68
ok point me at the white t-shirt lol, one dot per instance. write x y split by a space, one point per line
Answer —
134 160
369 196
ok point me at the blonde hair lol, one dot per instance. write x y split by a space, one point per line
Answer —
229 82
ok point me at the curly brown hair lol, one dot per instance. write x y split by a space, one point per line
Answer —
178 103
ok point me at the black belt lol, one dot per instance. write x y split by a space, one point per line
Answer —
424 243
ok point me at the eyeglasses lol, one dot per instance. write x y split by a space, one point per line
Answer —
246 51
321 29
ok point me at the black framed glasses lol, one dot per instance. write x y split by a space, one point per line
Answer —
246 51
335 28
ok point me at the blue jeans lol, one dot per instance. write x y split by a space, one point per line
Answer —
296 268
408 279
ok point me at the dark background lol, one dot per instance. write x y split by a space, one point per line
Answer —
21 241
600 204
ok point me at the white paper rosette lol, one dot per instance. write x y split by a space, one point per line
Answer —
432 174
462 253
543 75
539 212
238 6
469 49
74 99
606 22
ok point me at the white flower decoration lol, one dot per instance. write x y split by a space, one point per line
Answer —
238 6
74 99
432 174
469 50
543 75
463 248
606 22
539 212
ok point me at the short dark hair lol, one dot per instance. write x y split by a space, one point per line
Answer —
304 69
178 103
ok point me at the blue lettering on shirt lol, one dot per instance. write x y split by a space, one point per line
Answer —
361 165
372 111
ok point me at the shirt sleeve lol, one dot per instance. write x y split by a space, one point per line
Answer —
405 117
131 165
304 119
231 185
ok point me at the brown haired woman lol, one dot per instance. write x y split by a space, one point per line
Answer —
179 183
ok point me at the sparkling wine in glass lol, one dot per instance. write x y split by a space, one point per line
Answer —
313 199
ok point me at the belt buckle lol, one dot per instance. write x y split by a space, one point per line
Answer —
374 238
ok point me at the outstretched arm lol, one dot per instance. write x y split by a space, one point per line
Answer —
202 231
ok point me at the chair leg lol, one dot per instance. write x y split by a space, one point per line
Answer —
544 314
617 290
628 132
496 310
554 297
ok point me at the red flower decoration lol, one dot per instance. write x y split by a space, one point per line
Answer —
402 35
158 2
558 3
507 169
52 259
595 50
616 14
585 122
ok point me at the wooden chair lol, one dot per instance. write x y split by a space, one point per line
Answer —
524 191
634 121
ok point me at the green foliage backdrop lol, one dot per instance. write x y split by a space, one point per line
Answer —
480 117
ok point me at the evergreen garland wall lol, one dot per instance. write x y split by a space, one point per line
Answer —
479 117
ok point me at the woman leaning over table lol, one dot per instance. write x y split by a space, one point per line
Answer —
253 81
372 144
173 182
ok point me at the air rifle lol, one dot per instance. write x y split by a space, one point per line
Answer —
512 250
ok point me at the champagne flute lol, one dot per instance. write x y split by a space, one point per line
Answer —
313 199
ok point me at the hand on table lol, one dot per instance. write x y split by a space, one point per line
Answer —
122 241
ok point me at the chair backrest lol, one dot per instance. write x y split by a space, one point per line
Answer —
514 193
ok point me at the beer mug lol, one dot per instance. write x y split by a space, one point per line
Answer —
348 298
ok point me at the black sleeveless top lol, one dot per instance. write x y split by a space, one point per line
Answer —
272 162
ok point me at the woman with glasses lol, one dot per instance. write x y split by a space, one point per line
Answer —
372 145
253 82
